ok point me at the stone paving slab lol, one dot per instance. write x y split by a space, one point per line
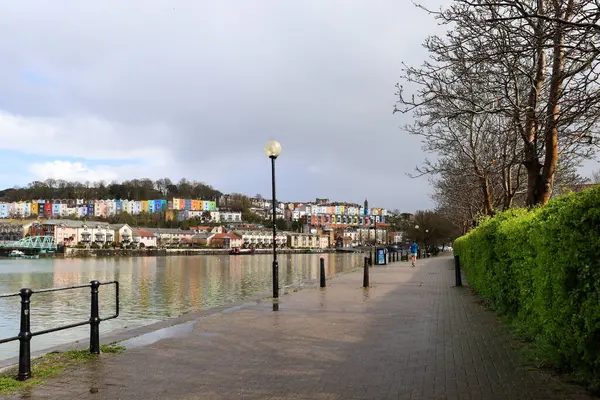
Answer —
410 336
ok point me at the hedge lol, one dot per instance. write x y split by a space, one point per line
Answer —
541 268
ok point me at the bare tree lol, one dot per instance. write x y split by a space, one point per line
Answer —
533 65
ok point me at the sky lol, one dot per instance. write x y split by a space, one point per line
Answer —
115 90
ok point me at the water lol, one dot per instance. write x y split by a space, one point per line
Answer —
152 289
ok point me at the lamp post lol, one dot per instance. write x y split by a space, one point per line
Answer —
416 238
273 150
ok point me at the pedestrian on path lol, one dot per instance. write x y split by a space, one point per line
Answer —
414 247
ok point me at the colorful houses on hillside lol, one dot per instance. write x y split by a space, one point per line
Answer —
312 215
79 208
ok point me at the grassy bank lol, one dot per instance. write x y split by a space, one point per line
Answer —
541 269
48 366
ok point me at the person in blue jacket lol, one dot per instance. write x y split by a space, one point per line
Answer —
414 247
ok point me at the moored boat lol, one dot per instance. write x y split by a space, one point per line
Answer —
16 253
238 251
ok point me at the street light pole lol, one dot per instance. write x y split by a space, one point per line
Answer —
275 263
272 150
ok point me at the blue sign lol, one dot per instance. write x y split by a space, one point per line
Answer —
381 257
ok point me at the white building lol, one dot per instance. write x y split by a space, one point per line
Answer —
261 238
144 238
230 216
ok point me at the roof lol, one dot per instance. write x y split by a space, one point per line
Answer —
143 233
226 236
199 228
69 223
202 235
117 226
170 231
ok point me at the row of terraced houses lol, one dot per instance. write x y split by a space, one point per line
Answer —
79 208
310 214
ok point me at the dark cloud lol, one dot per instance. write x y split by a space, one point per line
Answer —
211 82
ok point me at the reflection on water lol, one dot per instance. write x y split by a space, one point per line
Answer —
152 288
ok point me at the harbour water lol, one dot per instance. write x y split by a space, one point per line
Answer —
152 289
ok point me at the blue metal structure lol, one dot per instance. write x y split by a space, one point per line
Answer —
33 242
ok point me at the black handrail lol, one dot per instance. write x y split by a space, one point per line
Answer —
25 334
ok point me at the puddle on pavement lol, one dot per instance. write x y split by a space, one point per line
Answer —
165 333
235 308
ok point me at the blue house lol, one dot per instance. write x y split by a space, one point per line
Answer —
3 210
118 206
90 209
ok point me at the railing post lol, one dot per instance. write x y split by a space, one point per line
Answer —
25 336
323 284
366 274
457 271
95 320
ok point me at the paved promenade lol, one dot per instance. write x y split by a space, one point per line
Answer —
410 336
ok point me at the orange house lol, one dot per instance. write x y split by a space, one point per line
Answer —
196 206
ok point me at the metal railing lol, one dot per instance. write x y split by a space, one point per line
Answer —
25 334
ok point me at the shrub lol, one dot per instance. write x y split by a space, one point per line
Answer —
542 269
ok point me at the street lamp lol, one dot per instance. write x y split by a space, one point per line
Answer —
273 150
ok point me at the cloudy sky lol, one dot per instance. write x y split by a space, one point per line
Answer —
117 89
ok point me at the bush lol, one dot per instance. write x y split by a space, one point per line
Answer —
542 269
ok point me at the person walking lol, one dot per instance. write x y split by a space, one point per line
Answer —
414 248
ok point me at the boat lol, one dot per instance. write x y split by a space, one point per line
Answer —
16 253
238 252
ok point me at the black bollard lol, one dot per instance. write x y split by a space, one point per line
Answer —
457 271
366 274
25 336
323 284
94 320
389 257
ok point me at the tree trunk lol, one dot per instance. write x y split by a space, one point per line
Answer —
487 197
546 182
532 162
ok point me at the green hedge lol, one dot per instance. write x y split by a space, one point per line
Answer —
542 269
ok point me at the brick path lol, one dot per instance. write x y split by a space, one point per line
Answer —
410 336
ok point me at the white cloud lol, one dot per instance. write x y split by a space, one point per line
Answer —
85 137
72 171
79 171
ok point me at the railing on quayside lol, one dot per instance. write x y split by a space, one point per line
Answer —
25 334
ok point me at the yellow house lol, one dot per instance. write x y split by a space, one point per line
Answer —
34 208
170 215
342 209
144 204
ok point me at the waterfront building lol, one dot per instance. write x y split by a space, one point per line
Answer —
303 241
261 238
144 238
226 240
122 233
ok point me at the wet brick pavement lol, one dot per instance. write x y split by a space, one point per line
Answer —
410 336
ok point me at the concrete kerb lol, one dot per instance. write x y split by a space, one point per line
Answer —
118 336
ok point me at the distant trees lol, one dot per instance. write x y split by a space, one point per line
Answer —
135 189
509 101
434 228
